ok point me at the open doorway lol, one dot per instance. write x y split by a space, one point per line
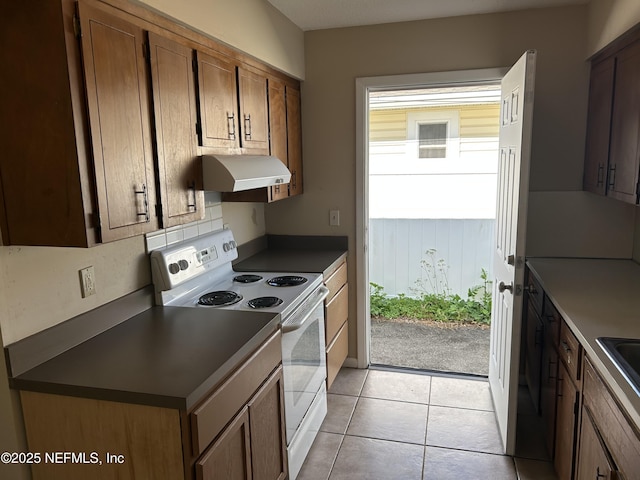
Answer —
432 181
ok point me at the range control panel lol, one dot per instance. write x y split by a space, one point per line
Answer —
175 264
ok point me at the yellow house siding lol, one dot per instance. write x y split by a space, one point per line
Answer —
479 121
475 121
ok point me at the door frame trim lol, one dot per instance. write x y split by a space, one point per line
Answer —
364 85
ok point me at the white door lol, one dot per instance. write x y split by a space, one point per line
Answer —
516 113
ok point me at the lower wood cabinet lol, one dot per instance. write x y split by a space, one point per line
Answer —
253 445
595 462
235 432
566 422
336 316
589 435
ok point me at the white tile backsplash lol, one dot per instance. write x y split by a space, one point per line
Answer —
168 236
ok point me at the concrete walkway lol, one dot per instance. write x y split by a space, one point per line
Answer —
430 346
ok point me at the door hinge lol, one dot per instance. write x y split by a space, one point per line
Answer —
77 30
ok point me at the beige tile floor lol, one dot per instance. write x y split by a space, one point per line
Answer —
389 425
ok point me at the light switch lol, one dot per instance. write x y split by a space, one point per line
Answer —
334 218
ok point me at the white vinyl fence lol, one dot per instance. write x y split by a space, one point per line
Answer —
456 249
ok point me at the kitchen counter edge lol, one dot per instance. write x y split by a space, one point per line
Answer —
596 299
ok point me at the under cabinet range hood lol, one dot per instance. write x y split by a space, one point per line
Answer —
234 173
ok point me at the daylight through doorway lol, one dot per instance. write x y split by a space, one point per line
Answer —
432 173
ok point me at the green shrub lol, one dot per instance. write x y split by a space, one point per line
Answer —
438 304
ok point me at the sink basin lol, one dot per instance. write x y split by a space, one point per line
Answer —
625 354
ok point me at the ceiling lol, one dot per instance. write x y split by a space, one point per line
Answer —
320 14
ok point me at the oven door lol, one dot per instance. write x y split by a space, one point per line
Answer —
303 358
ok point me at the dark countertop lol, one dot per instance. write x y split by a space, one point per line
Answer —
164 356
292 253
288 260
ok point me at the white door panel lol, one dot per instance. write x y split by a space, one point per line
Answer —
508 262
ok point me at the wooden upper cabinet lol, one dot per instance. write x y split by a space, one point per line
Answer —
613 126
47 190
218 103
254 117
278 128
599 126
174 107
625 126
294 140
117 91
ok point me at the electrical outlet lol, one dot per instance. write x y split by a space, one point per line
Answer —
87 281
334 218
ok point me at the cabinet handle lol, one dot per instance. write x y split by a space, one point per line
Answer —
550 371
600 175
600 475
612 176
145 201
247 126
537 337
231 125
192 188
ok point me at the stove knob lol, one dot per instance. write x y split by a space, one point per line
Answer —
233 243
226 247
183 264
174 268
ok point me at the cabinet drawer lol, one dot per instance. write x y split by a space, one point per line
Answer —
569 351
337 353
620 437
208 420
336 280
337 311
535 292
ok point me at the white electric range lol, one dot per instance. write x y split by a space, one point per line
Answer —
198 273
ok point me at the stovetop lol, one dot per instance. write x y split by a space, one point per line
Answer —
185 272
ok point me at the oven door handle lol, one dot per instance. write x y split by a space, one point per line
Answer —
321 294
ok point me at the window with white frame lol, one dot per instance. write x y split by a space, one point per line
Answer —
432 139
433 134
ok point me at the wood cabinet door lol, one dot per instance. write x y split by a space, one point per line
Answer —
218 107
294 140
548 393
119 116
278 135
533 354
229 457
593 460
565 425
174 107
625 126
254 117
598 126
267 430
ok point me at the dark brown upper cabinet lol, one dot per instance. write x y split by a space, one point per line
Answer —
613 125
285 143
233 107
88 175
113 54
174 107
